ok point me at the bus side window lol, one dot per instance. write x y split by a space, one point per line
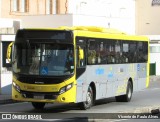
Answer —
145 51
125 53
132 57
142 48
91 56
140 52
111 56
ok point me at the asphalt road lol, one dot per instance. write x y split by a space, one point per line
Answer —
142 102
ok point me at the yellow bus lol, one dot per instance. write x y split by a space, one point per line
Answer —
77 65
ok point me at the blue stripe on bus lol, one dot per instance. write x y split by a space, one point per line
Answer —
99 71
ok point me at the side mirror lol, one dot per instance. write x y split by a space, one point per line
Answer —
81 54
9 49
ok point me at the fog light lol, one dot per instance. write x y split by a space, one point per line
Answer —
63 98
16 96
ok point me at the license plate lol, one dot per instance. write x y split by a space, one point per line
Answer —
39 96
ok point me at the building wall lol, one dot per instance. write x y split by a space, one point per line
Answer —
154 53
62 6
147 23
62 20
5 73
5 8
123 12
147 17
34 7
0 8
119 14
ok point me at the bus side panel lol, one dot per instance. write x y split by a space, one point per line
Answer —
98 75
81 91
142 75
111 80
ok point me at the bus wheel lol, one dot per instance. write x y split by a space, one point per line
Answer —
127 97
89 100
38 105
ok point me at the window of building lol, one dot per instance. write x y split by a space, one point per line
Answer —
155 49
54 6
51 6
7 30
48 6
15 5
20 5
24 5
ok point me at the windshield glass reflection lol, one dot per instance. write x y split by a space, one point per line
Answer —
43 59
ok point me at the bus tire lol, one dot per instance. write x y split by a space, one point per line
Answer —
38 105
89 100
127 97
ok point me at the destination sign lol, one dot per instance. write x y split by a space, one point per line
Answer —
41 36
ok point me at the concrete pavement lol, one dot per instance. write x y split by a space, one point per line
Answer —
154 78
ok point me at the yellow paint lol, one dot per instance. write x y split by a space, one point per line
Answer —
9 48
148 67
131 68
110 35
69 95
121 89
111 69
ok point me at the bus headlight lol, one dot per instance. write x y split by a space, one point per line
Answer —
16 87
65 88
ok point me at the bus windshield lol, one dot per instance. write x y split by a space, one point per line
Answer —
50 59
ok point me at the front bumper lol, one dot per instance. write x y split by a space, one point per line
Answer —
48 97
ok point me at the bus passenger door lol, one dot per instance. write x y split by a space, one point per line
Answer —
80 73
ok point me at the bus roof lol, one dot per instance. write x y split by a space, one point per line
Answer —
98 32
93 29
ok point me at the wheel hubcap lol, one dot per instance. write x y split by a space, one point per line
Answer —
129 93
88 98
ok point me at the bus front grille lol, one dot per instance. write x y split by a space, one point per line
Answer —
40 95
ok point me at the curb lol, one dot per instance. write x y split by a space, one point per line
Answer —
151 110
6 99
154 78
147 109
